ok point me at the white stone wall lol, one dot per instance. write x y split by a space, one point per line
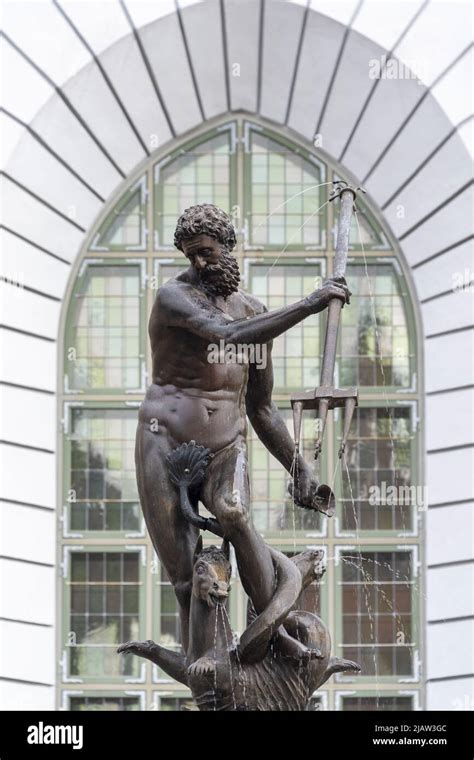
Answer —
89 89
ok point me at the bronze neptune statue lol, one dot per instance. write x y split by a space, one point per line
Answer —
191 449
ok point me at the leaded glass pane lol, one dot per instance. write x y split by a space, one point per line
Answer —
388 703
105 610
175 704
200 174
364 232
125 227
272 508
104 703
102 491
377 611
167 272
170 629
296 353
284 195
374 347
104 349
378 492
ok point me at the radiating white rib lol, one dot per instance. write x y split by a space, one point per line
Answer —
101 23
145 11
24 91
421 50
339 11
11 133
385 20
43 34
454 91
466 133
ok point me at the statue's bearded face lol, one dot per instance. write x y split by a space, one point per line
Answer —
217 269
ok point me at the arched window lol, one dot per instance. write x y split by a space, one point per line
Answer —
277 192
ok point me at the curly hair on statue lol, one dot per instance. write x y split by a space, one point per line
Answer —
205 219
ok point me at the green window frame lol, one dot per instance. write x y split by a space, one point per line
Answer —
173 701
269 499
397 301
265 280
114 222
107 333
346 494
343 649
164 206
105 465
100 700
157 259
166 269
263 176
379 700
133 669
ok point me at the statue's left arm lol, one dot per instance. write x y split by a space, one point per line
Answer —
270 427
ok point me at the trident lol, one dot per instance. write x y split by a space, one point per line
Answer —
327 397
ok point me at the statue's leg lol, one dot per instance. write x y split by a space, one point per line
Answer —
226 494
173 537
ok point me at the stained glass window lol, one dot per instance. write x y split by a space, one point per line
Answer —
388 703
104 611
377 610
125 227
272 508
285 197
198 174
102 492
104 703
296 353
170 629
176 704
374 345
364 232
377 491
103 342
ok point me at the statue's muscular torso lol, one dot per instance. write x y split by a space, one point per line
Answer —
190 397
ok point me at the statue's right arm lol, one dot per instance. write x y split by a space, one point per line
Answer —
176 307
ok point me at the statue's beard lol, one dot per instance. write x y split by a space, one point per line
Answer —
221 279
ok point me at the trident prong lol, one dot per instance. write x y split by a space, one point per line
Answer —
349 406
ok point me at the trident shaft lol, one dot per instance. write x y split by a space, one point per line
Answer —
326 396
